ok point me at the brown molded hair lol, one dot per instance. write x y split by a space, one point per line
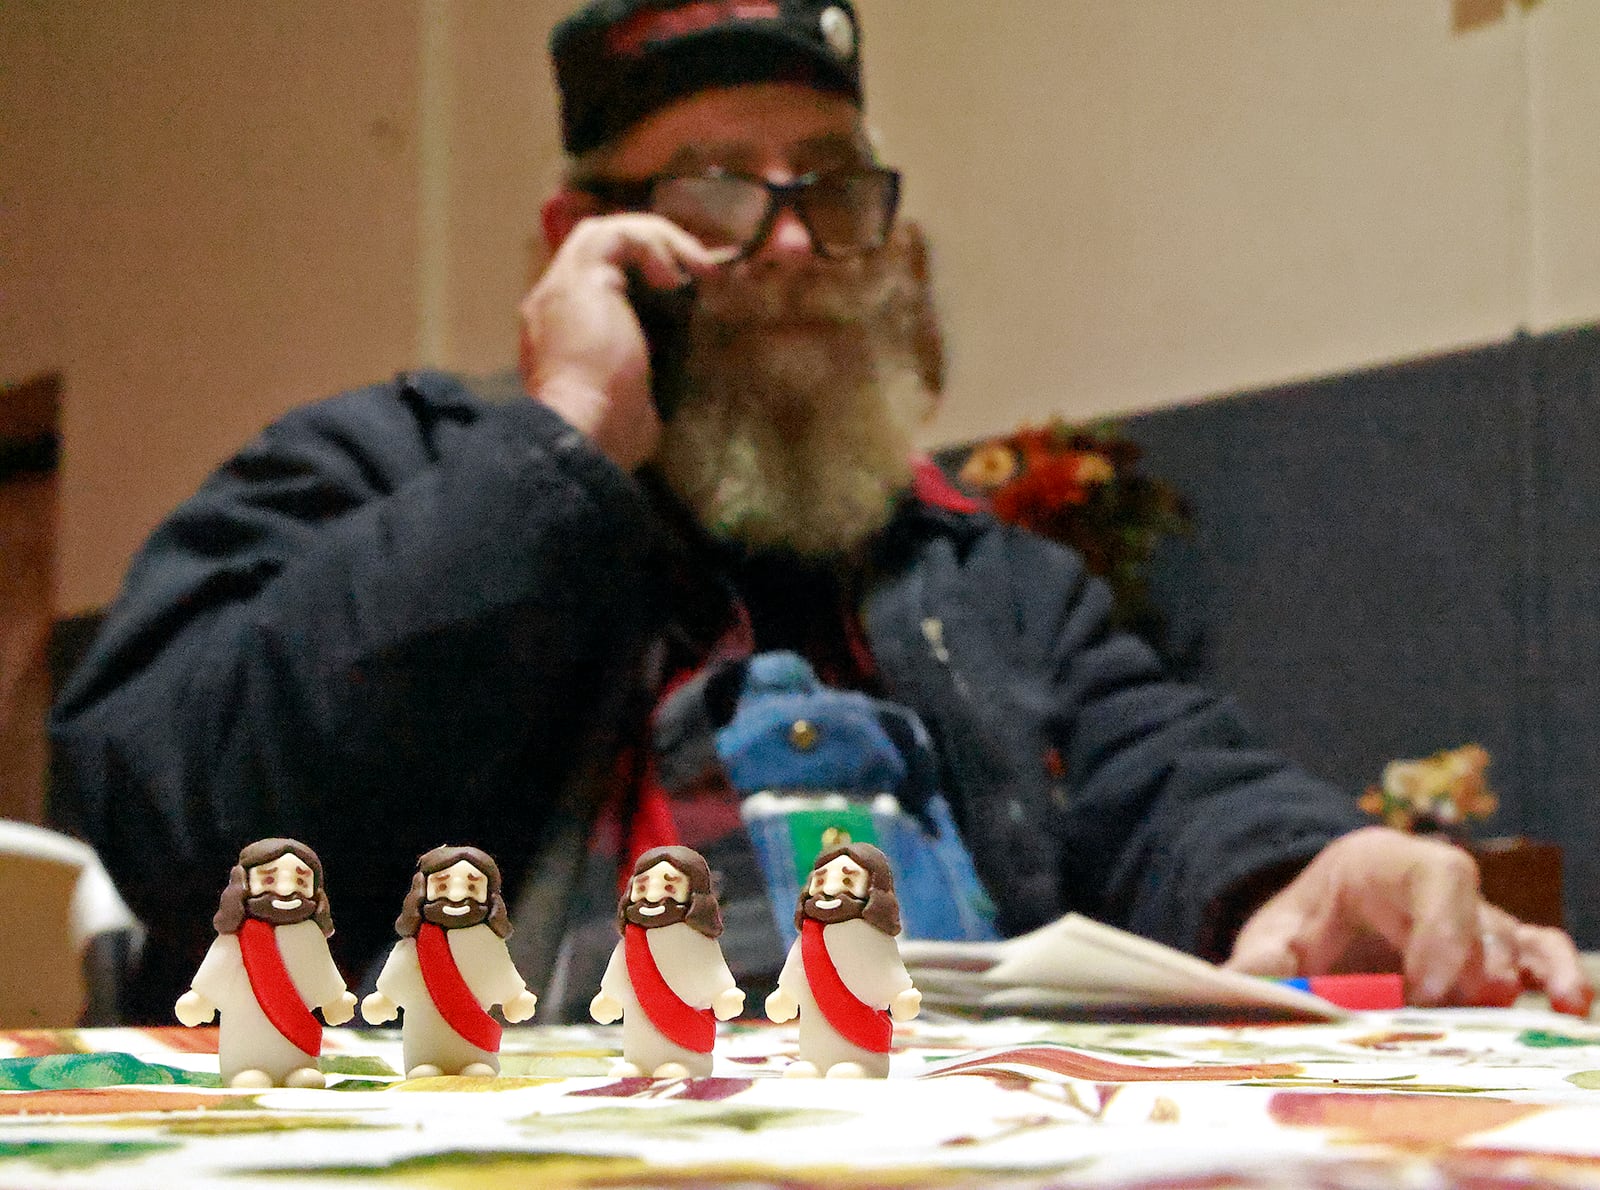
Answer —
705 915
883 907
231 911
437 860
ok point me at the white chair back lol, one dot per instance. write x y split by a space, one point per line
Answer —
54 897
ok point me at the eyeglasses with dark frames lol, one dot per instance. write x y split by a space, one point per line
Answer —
846 212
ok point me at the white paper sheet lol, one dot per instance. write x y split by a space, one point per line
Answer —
1076 962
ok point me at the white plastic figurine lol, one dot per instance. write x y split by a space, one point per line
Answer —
667 978
268 968
844 975
449 967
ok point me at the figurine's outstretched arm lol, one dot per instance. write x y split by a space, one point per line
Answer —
728 1004
605 1008
337 1012
520 1007
782 1006
906 1005
194 1009
378 1008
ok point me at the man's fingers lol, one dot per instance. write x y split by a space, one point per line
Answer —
1263 948
1445 947
1374 894
1550 960
1496 980
583 351
1297 932
657 264
1279 946
662 251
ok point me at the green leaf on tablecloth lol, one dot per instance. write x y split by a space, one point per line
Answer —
1544 1039
568 1065
490 1168
360 1084
71 1072
671 1119
1397 1084
1588 1080
63 1155
458 1084
361 1064
219 1124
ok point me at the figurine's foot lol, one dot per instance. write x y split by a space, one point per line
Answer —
424 1070
800 1070
670 1070
254 1080
626 1069
306 1076
846 1070
478 1070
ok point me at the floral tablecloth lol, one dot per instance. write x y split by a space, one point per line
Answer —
1412 1099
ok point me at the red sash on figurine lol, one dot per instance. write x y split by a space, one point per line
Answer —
450 993
274 990
858 1023
691 1028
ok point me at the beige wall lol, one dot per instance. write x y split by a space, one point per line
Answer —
1138 202
1563 49
210 213
502 155
214 211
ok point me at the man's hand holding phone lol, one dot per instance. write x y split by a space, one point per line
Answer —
584 351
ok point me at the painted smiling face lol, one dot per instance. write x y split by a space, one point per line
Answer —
457 896
282 891
658 896
669 885
454 887
850 881
837 891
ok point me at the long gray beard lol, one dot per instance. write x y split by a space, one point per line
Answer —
799 440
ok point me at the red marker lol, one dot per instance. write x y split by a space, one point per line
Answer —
1354 991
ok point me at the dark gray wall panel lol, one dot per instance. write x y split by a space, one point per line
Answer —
1403 560
1364 569
1563 386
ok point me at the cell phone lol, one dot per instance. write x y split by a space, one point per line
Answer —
664 317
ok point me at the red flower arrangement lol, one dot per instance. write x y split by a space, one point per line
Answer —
1083 487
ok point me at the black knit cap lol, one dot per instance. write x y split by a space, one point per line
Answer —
617 61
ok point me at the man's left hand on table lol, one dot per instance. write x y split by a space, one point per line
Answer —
1378 899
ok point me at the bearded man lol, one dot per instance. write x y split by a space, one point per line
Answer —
442 610
450 967
667 979
268 968
844 976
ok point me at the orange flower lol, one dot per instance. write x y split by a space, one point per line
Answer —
989 466
1443 790
1081 486
1094 469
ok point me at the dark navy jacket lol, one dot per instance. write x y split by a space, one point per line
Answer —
409 616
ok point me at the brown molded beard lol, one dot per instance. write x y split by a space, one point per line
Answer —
434 911
803 398
672 912
848 909
262 908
